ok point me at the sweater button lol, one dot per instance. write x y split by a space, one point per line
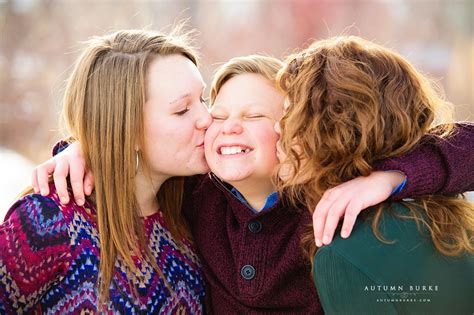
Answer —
255 227
247 272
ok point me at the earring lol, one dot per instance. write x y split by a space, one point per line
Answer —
137 161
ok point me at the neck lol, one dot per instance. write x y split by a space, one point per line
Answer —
146 188
255 192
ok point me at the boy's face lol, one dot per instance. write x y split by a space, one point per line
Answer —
240 144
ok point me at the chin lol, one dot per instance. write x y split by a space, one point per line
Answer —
232 177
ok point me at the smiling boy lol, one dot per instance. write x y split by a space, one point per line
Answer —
240 143
249 240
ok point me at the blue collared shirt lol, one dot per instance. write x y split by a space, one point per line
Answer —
271 200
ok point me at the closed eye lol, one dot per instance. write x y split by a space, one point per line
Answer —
255 116
182 112
218 117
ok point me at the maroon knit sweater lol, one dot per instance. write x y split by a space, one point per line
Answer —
254 263
437 166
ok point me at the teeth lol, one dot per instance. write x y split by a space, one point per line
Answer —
233 150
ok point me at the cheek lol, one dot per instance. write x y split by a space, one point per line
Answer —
268 138
210 137
168 139
154 134
175 133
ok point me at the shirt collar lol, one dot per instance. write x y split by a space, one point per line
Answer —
271 200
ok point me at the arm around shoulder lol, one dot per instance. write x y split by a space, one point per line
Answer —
437 165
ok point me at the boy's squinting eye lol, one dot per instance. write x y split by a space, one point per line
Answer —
255 116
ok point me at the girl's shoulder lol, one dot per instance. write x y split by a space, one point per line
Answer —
37 242
36 212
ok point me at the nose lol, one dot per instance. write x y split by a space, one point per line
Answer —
232 126
204 119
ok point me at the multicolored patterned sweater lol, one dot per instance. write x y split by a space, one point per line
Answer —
49 261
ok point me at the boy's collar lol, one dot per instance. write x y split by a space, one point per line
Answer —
270 201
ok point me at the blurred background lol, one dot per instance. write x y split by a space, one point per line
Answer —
39 40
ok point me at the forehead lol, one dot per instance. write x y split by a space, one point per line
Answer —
171 75
246 91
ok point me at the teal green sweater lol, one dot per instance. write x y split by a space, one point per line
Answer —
362 275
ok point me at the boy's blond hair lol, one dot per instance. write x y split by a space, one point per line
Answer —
265 66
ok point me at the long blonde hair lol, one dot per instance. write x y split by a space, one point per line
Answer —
103 110
352 103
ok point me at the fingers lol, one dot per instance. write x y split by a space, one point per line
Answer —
352 211
88 183
320 214
332 219
349 199
335 203
60 173
77 180
317 228
42 174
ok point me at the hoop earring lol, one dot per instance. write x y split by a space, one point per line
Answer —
137 159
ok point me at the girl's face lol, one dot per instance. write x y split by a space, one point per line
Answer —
175 117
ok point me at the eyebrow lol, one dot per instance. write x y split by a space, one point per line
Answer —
245 106
180 98
186 95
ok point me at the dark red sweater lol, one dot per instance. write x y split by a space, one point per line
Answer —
437 166
252 262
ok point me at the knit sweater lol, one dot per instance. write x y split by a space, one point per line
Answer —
252 262
436 165
49 262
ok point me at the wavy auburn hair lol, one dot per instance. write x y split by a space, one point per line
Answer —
103 109
352 103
